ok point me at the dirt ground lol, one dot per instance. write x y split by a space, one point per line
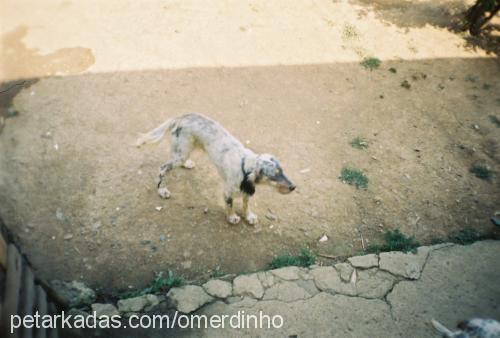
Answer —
82 201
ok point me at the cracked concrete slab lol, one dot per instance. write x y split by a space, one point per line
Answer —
374 283
366 261
286 292
327 279
453 283
324 315
457 282
248 285
407 265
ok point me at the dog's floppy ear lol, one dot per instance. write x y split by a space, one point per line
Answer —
257 174
247 186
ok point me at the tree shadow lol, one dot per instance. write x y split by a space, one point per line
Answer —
443 14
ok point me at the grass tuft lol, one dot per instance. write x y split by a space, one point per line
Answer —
371 63
354 177
481 171
304 259
359 143
495 120
395 241
405 84
158 283
465 236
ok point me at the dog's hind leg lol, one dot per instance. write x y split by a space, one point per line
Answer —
181 147
231 215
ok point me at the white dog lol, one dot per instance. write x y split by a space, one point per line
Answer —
240 168
473 328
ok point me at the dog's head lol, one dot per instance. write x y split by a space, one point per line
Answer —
268 170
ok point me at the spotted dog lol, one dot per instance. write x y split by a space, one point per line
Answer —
473 328
240 168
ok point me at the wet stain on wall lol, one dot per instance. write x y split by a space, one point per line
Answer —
21 62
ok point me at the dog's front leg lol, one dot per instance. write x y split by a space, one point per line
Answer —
231 215
249 216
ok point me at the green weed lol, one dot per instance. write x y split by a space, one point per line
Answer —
304 259
359 143
158 283
371 63
481 171
354 177
395 241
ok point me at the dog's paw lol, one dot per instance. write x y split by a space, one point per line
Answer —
164 193
252 218
233 219
189 164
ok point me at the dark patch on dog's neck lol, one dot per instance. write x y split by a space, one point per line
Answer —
246 186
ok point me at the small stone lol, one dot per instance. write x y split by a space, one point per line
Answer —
104 310
68 236
323 238
59 214
145 242
407 265
304 171
345 271
164 193
218 288
272 217
134 304
287 273
162 238
188 298
266 278
74 293
205 211
248 285
327 279
137 304
158 208
366 261
286 292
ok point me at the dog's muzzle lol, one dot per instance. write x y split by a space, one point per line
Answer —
286 186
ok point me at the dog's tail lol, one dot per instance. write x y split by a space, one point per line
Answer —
156 134
442 329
